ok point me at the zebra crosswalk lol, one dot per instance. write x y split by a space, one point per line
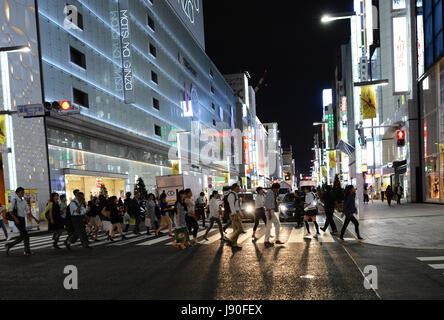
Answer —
289 234
436 263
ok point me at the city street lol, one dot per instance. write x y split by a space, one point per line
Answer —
149 268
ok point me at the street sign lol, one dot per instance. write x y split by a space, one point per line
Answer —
31 110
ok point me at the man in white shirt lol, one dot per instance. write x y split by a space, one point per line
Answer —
260 210
19 210
215 212
272 207
77 213
235 215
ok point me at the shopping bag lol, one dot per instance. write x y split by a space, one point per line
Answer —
132 222
181 235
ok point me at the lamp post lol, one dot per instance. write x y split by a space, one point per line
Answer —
7 107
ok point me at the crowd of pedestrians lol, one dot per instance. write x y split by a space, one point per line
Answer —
85 221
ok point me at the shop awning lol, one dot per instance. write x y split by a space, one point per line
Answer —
346 148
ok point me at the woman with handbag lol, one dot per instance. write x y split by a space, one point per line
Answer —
111 211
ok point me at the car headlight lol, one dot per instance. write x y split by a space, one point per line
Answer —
249 209
283 208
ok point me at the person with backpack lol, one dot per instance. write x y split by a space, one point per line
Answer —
77 214
19 210
201 204
235 215
181 236
56 224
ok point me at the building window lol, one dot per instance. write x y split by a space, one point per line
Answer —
214 122
211 73
80 98
153 50
156 104
151 23
77 57
154 77
213 91
157 130
213 106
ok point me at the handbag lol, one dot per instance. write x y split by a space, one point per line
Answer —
8 215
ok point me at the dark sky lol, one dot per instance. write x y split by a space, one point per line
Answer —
286 38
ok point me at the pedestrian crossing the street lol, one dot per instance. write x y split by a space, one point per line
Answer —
436 263
289 234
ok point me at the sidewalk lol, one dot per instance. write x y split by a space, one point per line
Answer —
43 229
414 226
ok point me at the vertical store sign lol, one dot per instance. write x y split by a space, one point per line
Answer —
126 51
400 47
421 43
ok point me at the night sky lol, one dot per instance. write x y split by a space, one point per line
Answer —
297 50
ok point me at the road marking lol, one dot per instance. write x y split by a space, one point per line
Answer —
437 266
426 259
212 239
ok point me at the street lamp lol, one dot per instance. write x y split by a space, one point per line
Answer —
7 106
327 18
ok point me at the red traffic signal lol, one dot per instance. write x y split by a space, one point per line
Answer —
65 105
400 135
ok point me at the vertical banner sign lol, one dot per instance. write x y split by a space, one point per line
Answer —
126 51
400 55
332 158
368 102
2 130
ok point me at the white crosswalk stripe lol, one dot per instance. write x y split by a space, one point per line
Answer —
435 266
288 235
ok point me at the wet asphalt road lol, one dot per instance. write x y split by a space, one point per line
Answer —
300 270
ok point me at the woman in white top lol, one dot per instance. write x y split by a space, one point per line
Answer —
215 212
260 210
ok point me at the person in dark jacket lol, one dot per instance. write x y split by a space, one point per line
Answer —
329 200
137 209
349 212
389 195
56 223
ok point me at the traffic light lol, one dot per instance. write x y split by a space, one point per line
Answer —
400 137
63 107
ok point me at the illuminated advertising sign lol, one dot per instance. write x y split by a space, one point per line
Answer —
420 32
401 71
190 12
368 102
344 105
126 51
327 97
247 155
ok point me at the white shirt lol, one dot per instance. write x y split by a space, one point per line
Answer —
215 207
310 198
22 207
260 201
233 201
73 208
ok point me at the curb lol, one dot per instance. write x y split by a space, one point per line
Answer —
338 217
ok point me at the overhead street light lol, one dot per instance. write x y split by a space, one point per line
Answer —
327 18
315 124
375 83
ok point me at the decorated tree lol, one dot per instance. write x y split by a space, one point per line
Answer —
141 188
103 191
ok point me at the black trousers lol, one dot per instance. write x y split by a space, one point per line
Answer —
398 199
227 225
79 231
330 220
24 236
219 223
258 215
201 211
346 223
136 227
193 226
389 200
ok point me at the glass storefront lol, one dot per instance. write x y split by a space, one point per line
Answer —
82 162
432 119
